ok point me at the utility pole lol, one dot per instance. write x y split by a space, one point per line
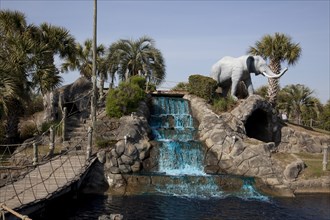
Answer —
94 93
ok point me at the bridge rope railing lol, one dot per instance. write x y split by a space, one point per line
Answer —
40 176
25 173
8 151
4 208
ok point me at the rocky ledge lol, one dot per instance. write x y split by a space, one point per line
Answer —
244 141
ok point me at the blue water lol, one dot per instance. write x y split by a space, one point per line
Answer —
182 154
173 127
145 207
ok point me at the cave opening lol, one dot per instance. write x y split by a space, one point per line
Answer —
257 126
72 108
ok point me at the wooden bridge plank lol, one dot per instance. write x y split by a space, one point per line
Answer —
43 181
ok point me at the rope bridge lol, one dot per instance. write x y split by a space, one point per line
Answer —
36 171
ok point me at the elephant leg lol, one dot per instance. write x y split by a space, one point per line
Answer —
249 86
234 89
225 90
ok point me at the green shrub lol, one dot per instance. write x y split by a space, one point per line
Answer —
124 99
151 87
138 80
223 104
202 86
181 86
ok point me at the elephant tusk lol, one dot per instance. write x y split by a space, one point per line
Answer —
275 76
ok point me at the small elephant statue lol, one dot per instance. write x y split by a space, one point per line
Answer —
229 71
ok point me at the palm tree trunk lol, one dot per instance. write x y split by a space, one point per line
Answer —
273 84
273 89
15 110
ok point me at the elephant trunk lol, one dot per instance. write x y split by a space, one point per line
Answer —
272 75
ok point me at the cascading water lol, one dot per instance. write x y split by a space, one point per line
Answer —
173 128
181 154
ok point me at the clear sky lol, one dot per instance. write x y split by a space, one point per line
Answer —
193 35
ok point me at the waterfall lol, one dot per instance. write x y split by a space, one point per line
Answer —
181 155
173 127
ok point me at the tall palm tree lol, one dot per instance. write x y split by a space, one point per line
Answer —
15 51
277 49
27 62
83 59
52 40
133 57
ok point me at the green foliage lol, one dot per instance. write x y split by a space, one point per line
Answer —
325 117
262 91
133 57
276 48
35 105
181 86
151 87
138 80
202 86
223 104
124 99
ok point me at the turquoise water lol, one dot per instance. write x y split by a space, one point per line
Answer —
181 154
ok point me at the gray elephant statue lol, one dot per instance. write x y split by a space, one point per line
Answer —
229 71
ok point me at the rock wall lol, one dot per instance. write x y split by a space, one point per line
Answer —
132 147
229 149
233 149
74 96
296 141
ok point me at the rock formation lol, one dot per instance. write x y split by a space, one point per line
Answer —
74 96
242 142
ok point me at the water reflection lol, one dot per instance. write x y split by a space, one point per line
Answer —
182 208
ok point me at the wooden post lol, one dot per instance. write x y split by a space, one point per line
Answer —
93 101
101 87
60 105
35 154
64 124
52 141
89 144
325 158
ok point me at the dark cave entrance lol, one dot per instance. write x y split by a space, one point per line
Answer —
257 126
71 108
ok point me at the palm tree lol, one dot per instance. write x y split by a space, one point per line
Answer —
297 99
83 59
136 57
52 40
325 116
15 50
83 62
27 63
277 48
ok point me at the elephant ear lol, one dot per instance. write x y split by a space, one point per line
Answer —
250 64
